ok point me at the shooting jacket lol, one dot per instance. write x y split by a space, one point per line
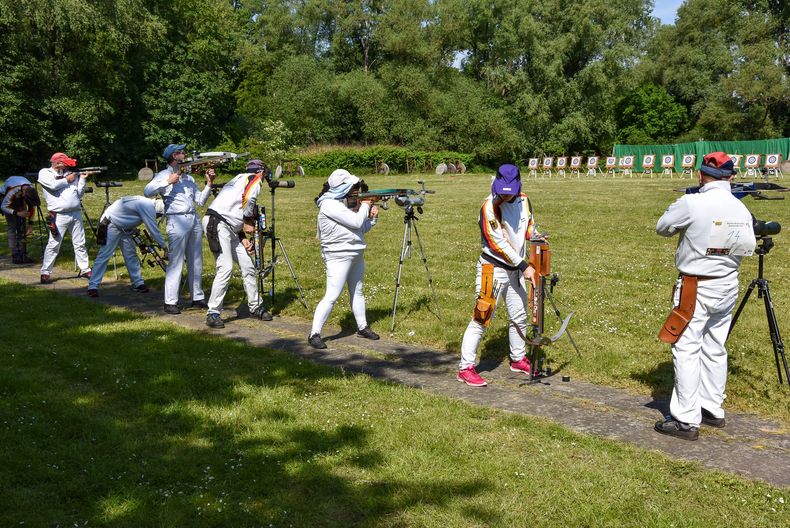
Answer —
237 200
698 218
61 196
9 191
130 211
342 230
505 231
180 198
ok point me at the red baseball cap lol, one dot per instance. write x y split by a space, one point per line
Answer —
59 156
717 165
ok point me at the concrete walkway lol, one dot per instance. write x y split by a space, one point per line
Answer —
750 445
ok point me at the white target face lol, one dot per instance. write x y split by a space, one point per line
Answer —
592 162
667 161
736 159
627 161
772 160
562 162
648 160
547 163
688 160
576 161
752 160
611 162
533 163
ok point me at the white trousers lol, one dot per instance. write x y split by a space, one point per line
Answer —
231 249
510 285
70 223
184 238
116 236
699 356
345 269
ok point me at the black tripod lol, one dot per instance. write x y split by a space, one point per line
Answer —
764 293
264 232
409 219
106 186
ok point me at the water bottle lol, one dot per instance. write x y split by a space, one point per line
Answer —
262 219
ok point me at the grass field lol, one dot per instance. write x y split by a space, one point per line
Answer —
616 275
109 418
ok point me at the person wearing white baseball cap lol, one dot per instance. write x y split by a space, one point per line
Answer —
63 192
342 223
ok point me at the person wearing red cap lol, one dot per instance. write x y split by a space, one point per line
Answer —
506 225
63 192
716 232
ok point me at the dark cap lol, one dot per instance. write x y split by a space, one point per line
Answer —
255 165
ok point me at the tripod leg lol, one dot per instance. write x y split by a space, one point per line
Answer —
428 272
741 306
773 328
404 249
293 274
559 316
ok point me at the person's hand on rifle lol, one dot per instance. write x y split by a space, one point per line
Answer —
529 273
210 175
247 245
71 176
374 212
173 178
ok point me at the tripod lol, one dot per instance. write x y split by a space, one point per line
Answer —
264 233
106 186
764 293
409 219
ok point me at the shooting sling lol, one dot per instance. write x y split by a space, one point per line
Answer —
212 233
484 306
52 226
681 315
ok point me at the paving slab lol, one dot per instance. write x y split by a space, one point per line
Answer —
750 445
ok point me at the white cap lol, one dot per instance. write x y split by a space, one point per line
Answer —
340 177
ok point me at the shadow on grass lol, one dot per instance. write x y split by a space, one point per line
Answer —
660 379
111 418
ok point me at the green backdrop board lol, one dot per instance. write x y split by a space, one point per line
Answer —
701 148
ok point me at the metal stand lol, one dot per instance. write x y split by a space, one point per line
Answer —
107 186
409 220
764 293
262 234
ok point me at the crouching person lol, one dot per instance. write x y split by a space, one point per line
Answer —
18 201
117 225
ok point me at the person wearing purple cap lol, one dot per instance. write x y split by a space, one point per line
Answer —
228 220
506 225
716 232
184 233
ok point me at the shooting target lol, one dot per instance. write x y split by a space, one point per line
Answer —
461 167
627 162
451 168
145 174
592 162
562 162
736 159
576 162
441 169
772 161
688 161
299 170
611 162
648 161
533 163
752 161
384 169
548 162
667 161
278 171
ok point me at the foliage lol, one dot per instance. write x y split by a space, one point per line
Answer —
649 115
365 160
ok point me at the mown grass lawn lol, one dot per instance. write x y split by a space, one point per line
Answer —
616 275
110 418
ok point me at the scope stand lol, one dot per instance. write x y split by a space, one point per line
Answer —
537 339
763 292
262 235
409 220
106 205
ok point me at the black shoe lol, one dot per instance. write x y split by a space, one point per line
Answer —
92 292
709 419
316 341
200 303
172 309
672 427
45 279
141 288
367 333
262 314
213 321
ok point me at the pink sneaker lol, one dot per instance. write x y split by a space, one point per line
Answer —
470 376
522 365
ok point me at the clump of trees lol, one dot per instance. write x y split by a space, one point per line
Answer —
115 80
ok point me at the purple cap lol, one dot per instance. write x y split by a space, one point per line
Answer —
255 165
507 180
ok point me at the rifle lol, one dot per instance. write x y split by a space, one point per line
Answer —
402 197
209 159
149 249
84 171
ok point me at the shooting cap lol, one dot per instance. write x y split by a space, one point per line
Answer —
62 158
171 149
507 180
341 178
717 165
256 165
159 206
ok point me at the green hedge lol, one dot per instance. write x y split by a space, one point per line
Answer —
364 160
